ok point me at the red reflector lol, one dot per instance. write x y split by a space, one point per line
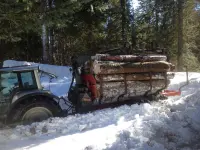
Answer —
171 93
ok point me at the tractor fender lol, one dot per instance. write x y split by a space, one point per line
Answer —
19 97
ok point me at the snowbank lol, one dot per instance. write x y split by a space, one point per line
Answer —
169 124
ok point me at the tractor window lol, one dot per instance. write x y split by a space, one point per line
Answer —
28 80
9 82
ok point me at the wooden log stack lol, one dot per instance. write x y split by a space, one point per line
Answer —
130 74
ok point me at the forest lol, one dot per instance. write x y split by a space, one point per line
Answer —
51 31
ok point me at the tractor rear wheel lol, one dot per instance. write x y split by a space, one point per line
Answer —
37 113
33 111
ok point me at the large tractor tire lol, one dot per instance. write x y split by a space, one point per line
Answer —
34 110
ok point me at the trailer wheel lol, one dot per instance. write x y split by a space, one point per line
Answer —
33 111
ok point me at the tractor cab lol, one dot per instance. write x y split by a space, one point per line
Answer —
15 80
22 98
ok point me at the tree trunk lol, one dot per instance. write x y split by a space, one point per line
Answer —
44 41
133 34
131 22
157 20
180 35
51 35
44 34
51 45
123 13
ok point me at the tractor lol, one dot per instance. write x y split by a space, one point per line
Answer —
23 99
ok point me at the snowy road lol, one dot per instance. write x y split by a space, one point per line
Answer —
170 124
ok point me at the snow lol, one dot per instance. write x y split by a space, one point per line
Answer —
166 124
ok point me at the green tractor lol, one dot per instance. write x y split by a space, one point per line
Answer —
22 98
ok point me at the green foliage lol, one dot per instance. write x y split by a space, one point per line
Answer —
74 27
15 18
191 26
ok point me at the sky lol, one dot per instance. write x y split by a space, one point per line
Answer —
135 3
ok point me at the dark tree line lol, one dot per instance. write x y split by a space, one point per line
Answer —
51 31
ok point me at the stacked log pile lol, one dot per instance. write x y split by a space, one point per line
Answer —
130 74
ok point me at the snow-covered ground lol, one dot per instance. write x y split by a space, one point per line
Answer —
167 124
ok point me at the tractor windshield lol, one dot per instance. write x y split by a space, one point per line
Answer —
9 82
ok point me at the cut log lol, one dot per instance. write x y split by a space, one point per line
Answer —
120 68
134 88
134 77
131 58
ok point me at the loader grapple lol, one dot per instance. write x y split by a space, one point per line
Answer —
122 77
